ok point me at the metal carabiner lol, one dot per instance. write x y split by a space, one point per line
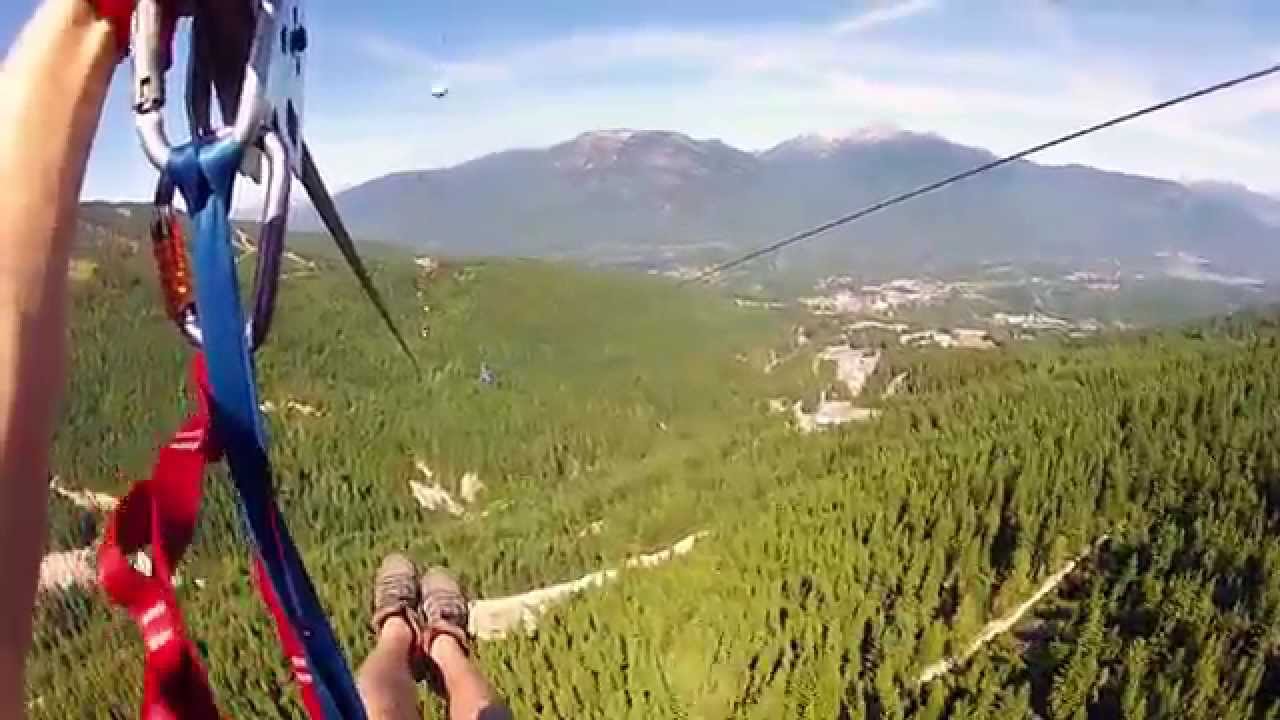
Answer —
173 265
152 57
154 22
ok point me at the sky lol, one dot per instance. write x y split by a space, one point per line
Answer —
999 74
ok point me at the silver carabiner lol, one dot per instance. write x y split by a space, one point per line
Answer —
166 240
152 58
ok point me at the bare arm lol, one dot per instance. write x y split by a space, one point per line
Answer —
53 84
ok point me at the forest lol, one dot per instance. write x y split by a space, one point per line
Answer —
1137 471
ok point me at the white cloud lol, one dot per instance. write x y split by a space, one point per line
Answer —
1050 23
407 58
883 14
754 87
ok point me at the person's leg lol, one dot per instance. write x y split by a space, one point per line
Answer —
467 692
385 680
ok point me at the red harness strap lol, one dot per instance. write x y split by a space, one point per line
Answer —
120 14
161 512
290 643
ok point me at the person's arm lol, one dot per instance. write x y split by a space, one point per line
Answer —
52 87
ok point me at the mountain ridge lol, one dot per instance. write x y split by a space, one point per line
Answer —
659 198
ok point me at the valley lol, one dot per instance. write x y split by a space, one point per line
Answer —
940 537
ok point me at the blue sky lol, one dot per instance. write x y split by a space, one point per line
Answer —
1000 74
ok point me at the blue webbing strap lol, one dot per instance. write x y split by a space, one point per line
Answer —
205 173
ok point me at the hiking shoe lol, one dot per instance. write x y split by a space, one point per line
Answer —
444 609
395 593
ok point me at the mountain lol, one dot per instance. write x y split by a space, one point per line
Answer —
661 198
596 195
122 224
1265 207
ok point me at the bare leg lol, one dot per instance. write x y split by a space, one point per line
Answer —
467 691
385 681
53 82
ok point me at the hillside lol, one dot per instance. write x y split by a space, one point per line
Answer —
664 200
1266 207
627 412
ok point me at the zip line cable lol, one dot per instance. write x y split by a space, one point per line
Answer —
924 189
